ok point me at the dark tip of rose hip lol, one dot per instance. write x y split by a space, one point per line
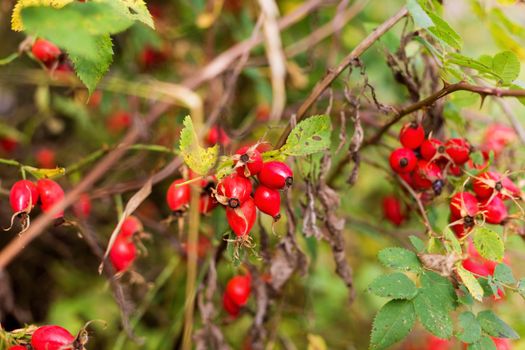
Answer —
245 158
441 149
498 187
276 217
289 181
468 221
417 152
233 203
58 221
437 186
403 162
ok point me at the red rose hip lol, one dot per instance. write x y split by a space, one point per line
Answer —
45 51
403 160
412 135
276 175
178 196
234 189
51 338
50 194
23 196
268 201
241 219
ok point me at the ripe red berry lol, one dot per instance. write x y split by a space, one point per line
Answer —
45 158
435 343
464 204
486 183
495 211
502 343
8 144
251 160
392 210
458 150
403 160
230 307
476 267
268 201
122 253
428 175
82 208
217 135
178 196
207 203
412 135
238 289
276 175
45 51
429 148
130 226
241 219
235 190
496 138
51 338
454 170
17 347
23 196
50 193
463 227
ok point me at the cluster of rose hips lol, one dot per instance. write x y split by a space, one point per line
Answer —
423 163
236 294
490 191
54 338
50 55
235 191
123 251
25 195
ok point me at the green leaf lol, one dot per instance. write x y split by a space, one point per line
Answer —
507 65
444 32
503 274
494 326
197 158
470 282
392 323
469 62
452 241
465 298
440 287
399 259
75 27
489 244
521 287
309 136
485 343
134 10
417 243
432 315
396 286
91 70
16 19
419 15
470 328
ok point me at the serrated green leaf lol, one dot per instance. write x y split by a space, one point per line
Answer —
441 287
503 274
485 343
392 324
470 328
489 244
399 259
91 70
432 315
452 241
395 286
494 285
465 298
311 135
444 32
197 158
16 19
418 14
470 282
494 326
133 9
521 287
75 27
507 65
485 60
275 154
417 243
468 62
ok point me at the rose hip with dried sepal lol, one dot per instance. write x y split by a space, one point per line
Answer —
276 175
428 175
250 161
458 150
234 190
23 196
403 160
242 219
178 195
494 210
53 338
464 204
485 184
430 147
412 135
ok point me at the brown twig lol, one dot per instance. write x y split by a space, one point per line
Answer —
334 73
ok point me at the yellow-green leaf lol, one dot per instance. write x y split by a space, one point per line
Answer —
16 18
197 158
470 282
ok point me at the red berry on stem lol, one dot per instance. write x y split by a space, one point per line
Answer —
178 196
458 150
50 193
486 183
268 201
495 211
130 226
403 160
122 253
231 308
238 289
276 175
429 148
22 194
241 219
17 347
45 51
412 135
236 189
252 160
51 338
475 267
427 175
464 204
392 210
217 135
